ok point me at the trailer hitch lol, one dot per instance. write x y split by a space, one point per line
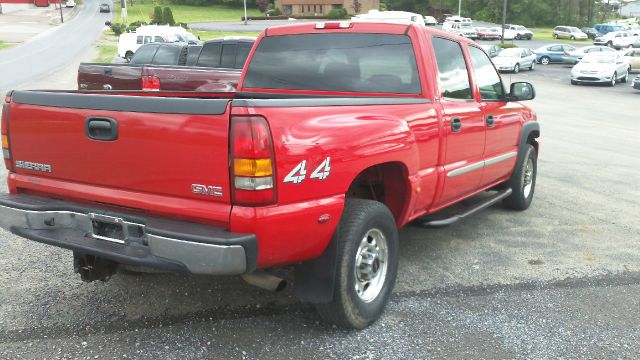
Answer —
92 268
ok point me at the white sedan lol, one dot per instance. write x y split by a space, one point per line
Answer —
606 68
514 59
508 33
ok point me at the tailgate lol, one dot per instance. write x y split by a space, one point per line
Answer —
108 77
175 147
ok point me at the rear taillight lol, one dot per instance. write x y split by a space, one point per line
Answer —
6 148
566 54
252 161
150 83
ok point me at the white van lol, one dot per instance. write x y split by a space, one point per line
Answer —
460 28
402 17
128 43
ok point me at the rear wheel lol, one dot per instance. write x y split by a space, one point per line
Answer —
572 37
625 78
516 68
523 181
367 256
573 82
128 56
555 36
533 65
545 60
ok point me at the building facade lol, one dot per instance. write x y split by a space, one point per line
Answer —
322 7
631 9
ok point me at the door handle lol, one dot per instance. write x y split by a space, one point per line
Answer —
456 124
101 129
490 120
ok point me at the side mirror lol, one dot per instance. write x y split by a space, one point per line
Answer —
521 91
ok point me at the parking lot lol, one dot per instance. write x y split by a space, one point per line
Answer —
561 279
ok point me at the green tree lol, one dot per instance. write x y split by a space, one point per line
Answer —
157 15
167 16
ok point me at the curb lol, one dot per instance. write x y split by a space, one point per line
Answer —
55 20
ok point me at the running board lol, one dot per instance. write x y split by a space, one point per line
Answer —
485 204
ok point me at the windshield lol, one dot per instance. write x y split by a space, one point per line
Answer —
617 28
376 63
574 30
510 53
521 28
598 60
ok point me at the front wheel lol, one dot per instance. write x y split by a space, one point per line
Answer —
545 60
625 78
572 37
555 36
128 56
533 65
523 181
367 265
614 79
516 68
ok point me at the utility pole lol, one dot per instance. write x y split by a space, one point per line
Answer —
459 7
60 4
504 18
245 12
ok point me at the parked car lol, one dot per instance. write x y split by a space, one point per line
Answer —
636 83
619 39
491 50
70 3
606 68
552 53
633 57
591 32
128 43
573 57
485 34
521 32
398 17
569 32
460 28
508 33
607 28
514 59
459 19
104 8
301 168
430 21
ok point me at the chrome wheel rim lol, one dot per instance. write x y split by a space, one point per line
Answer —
544 61
371 265
528 178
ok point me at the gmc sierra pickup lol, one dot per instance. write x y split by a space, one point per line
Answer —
339 134
214 66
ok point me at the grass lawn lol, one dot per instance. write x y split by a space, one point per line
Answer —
3 44
106 53
206 35
143 10
547 34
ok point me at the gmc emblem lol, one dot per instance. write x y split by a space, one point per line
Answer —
206 190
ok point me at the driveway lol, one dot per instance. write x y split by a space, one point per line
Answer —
53 49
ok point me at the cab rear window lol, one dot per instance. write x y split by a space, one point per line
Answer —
376 63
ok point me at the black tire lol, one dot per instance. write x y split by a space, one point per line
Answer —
573 82
614 79
532 66
555 36
625 78
348 309
128 56
521 198
545 60
572 37
516 68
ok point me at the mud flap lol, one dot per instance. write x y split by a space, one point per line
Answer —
314 280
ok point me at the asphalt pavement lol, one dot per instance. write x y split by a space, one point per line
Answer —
53 49
560 280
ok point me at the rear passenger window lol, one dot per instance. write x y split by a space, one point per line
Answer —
452 69
167 55
487 78
139 40
158 39
228 59
210 55
243 53
144 55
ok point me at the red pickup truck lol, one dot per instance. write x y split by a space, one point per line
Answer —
339 134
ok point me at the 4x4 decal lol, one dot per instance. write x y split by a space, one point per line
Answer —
299 173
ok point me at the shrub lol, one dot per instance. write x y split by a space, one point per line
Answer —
275 12
337 14
167 16
262 5
118 28
507 45
157 15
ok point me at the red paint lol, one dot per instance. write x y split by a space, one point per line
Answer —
158 156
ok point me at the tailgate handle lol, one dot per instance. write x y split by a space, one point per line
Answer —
102 129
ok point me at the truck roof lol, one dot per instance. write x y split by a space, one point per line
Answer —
354 27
